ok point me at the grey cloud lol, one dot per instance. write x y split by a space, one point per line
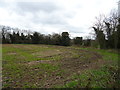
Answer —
74 29
52 21
47 9
4 4
49 20
32 7
37 6
43 12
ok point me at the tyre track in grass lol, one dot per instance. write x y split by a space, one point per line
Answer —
71 65
72 61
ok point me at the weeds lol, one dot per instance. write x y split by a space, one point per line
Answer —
18 73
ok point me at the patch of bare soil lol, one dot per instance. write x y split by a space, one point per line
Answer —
54 79
12 53
47 53
40 61
70 66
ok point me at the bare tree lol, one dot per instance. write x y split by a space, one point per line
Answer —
105 29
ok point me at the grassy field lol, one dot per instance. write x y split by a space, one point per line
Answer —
48 66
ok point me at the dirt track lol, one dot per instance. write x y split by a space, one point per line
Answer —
71 65
44 66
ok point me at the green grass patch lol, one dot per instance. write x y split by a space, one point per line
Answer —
45 67
105 77
106 54
57 57
18 73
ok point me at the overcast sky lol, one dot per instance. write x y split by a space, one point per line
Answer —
54 16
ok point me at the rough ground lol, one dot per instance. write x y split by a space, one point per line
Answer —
71 65
45 66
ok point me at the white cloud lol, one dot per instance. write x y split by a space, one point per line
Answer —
48 16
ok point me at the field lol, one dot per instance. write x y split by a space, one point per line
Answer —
48 66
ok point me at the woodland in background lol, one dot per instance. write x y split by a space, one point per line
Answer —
38 38
106 29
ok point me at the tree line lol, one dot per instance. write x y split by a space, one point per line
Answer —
107 31
18 37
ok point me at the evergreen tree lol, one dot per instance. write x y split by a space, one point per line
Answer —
77 40
65 40
35 38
